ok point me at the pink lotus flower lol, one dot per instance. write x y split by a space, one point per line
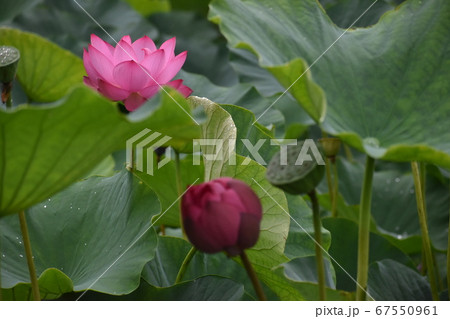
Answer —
132 72
223 214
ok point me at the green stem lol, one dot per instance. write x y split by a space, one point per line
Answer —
364 230
185 264
448 260
423 174
179 187
421 209
1 298
335 188
438 275
318 244
9 101
29 255
423 270
329 181
252 275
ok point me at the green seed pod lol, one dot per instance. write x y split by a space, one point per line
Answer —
300 173
330 146
9 58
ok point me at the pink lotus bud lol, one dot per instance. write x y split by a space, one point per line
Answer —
132 72
223 214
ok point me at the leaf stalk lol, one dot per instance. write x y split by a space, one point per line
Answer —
364 230
29 256
421 210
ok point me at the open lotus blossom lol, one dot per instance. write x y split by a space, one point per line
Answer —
221 215
132 72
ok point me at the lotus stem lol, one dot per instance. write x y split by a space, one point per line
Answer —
438 274
421 209
318 245
448 259
329 182
9 101
335 188
1 297
29 255
252 275
364 230
185 264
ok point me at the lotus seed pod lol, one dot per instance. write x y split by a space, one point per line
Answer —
330 146
300 174
9 58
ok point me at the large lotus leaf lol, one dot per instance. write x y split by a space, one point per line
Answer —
387 91
346 13
279 118
46 71
104 168
163 269
299 274
246 65
342 12
163 182
45 148
390 280
310 96
304 269
206 288
242 94
52 284
290 284
97 233
394 208
68 25
344 246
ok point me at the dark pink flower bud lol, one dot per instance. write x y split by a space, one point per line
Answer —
132 72
223 214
